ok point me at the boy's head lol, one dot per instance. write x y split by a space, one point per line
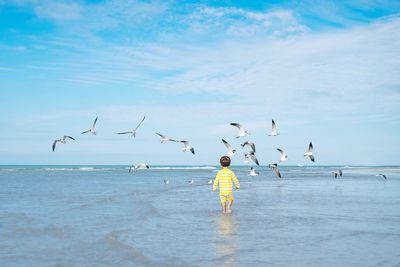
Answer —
225 161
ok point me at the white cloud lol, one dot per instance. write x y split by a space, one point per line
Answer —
349 64
240 22
59 11
335 72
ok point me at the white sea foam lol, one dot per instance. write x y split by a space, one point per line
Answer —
55 169
86 168
80 169
9 170
184 168
118 168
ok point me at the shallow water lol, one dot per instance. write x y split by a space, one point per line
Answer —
106 216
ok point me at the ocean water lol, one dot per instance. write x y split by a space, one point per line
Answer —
106 216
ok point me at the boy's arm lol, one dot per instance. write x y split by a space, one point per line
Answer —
235 180
215 185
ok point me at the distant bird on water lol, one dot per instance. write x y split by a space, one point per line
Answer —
382 175
210 182
337 173
166 182
273 131
133 132
91 130
253 172
62 140
242 132
191 181
309 153
230 151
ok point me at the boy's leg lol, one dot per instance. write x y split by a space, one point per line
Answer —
230 202
223 204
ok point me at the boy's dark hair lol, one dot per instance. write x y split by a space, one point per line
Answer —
225 161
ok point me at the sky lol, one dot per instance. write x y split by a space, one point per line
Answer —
326 71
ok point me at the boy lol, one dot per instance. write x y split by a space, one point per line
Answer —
226 178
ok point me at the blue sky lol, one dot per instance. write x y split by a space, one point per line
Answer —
326 71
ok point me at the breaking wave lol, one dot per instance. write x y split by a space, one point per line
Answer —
101 168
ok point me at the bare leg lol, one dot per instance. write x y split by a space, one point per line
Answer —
230 202
223 204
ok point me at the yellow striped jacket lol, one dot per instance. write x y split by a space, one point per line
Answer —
225 178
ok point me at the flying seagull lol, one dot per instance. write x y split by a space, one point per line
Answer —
133 132
62 140
164 138
273 131
337 173
253 172
384 176
251 145
251 156
309 153
91 130
187 147
231 152
274 167
140 166
283 155
242 132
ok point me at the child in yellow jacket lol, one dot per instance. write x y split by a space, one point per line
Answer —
225 178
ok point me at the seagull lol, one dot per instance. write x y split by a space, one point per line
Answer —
91 130
191 181
274 167
231 152
140 166
253 172
283 155
164 138
241 132
210 182
273 131
133 132
251 156
309 153
186 147
251 145
62 140
336 173
166 182
380 174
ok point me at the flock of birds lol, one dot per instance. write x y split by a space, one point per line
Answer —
248 156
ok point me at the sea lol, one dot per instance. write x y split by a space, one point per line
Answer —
108 216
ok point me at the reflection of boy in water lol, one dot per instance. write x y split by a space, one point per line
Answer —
225 178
